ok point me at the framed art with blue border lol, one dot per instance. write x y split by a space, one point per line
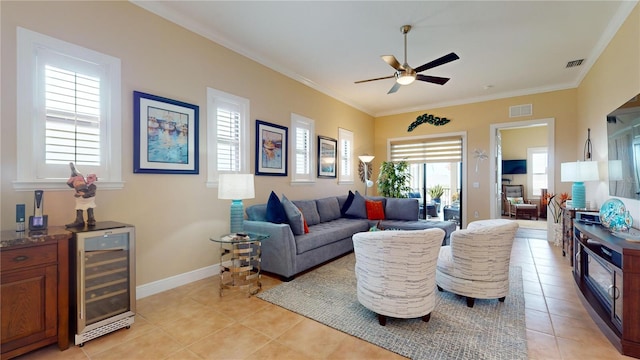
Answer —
327 156
165 135
271 149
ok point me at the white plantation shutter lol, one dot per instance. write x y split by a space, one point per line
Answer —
302 144
228 141
345 149
227 135
302 151
72 126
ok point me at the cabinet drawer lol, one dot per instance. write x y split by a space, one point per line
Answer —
31 256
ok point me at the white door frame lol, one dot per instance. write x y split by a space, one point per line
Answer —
493 171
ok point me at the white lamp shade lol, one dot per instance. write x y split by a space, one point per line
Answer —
579 171
236 186
366 158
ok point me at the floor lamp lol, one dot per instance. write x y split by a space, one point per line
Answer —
236 187
366 159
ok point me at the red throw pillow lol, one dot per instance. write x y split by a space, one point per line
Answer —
306 227
375 210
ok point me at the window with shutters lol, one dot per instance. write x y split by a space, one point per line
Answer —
345 145
68 110
227 133
302 130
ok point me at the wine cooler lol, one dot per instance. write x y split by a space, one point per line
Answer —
104 296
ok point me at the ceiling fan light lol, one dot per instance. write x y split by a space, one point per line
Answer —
405 79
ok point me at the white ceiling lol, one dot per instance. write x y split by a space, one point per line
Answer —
506 48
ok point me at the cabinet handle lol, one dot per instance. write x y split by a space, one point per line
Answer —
613 292
20 258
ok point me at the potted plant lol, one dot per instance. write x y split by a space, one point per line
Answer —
436 192
393 180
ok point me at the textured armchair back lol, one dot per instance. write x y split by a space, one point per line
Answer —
483 250
396 270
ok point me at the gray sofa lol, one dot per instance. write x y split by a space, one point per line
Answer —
331 222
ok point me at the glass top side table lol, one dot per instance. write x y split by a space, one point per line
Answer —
240 261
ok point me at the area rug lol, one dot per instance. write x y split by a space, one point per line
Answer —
489 330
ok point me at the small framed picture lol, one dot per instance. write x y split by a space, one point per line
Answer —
271 149
327 156
165 135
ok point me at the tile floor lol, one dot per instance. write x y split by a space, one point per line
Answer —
193 322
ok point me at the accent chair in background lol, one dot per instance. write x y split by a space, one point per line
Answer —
476 264
395 271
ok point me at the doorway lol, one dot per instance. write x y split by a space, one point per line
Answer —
496 146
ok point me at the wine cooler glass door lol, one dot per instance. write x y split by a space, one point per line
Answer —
103 278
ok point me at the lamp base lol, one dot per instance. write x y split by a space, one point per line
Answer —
578 195
237 216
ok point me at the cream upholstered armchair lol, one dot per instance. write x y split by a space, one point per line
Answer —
395 271
476 264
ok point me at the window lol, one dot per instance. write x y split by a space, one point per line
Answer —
537 170
302 130
68 110
227 134
345 156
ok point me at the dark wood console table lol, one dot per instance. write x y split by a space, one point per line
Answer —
607 273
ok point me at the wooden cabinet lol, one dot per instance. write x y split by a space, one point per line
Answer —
34 294
607 273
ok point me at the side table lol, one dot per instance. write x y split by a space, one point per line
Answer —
240 261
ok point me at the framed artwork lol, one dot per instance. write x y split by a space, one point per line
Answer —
327 156
165 135
271 149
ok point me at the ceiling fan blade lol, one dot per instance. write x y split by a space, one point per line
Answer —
394 88
437 62
391 60
380 78
432 79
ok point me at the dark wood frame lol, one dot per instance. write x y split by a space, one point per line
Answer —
268 132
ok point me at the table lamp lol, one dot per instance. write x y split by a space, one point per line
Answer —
366 159
236 187
578 172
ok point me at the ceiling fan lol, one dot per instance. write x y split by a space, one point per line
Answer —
405 74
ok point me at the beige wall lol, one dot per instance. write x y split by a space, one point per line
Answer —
174 215
475 119
612 81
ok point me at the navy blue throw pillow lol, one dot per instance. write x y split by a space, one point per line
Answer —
347 203
275 210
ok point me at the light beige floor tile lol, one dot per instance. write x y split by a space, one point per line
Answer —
531 286
538 321
542 346
313 339
183 354
576 350
154 344
272 320
566 308
52 352
233 342
568 293
534 302
189 329
276 351
353 349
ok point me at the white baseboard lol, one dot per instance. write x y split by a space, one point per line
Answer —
169 283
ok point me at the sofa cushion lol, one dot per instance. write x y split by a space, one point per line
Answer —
309 211
358 208
294 216
329 232
275 210
402 209
257 212
328 208
346 202
375 210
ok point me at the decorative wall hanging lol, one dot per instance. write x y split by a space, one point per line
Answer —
479 155
429 119
327 155
271 149
165 135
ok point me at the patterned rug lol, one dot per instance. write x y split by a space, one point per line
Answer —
489 330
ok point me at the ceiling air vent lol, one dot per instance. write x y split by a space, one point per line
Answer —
574 63
521 110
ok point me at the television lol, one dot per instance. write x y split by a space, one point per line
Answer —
511 167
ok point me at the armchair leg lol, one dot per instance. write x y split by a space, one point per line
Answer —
439 288
502 299
470 301
427 317
382 320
